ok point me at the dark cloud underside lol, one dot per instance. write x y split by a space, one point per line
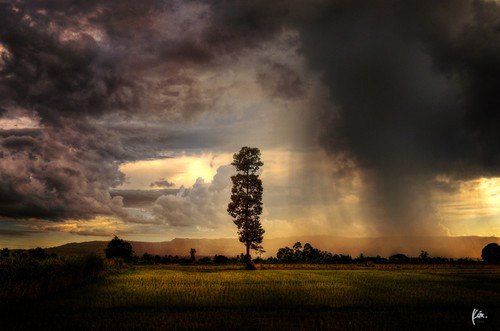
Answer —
415 91
413 87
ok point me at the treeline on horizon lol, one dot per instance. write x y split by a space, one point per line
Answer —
119 248
298 253
301 255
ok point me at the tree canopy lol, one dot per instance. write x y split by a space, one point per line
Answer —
119 248
491 253
246 199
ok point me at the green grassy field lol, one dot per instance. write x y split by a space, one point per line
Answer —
187 297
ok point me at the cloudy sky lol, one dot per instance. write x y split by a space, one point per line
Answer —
373 118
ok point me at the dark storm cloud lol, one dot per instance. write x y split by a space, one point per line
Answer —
141 198
15 143
53 77
67 64
16 233
55 178
162 182
414 86
69 58
19 132
144 141
415 91
280 81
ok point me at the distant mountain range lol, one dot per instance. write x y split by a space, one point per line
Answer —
467 246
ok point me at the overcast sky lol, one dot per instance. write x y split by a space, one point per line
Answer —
373 118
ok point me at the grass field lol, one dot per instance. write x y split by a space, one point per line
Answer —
187 297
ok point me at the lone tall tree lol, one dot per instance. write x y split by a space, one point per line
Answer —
246 199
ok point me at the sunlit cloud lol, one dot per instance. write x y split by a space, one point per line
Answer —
474 207
182 170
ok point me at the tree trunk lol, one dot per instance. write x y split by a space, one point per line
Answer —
248 259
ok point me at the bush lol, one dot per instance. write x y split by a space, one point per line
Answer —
309 254
221 259
119 248
204 260
491 253
28 278
5 252
37 253
399 258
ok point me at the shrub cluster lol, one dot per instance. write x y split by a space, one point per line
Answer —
302 254
28 276
122 250
149 259
491 253
296 254
308 254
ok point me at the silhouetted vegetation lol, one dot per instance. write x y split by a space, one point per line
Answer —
246 200
204 260
119 248
491 253
192 252
30 274
399 258
298 253
308 254
221 259
149 259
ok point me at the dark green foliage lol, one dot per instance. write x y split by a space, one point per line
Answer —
204 260
5 252
491 253
150 259
309 254
246 199
424 256
221 259
37 253
247 160
119 248
259 260
304 254
399 258
24 277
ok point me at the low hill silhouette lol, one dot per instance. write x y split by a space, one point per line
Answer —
455 247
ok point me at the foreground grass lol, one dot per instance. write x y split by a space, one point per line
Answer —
224 298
